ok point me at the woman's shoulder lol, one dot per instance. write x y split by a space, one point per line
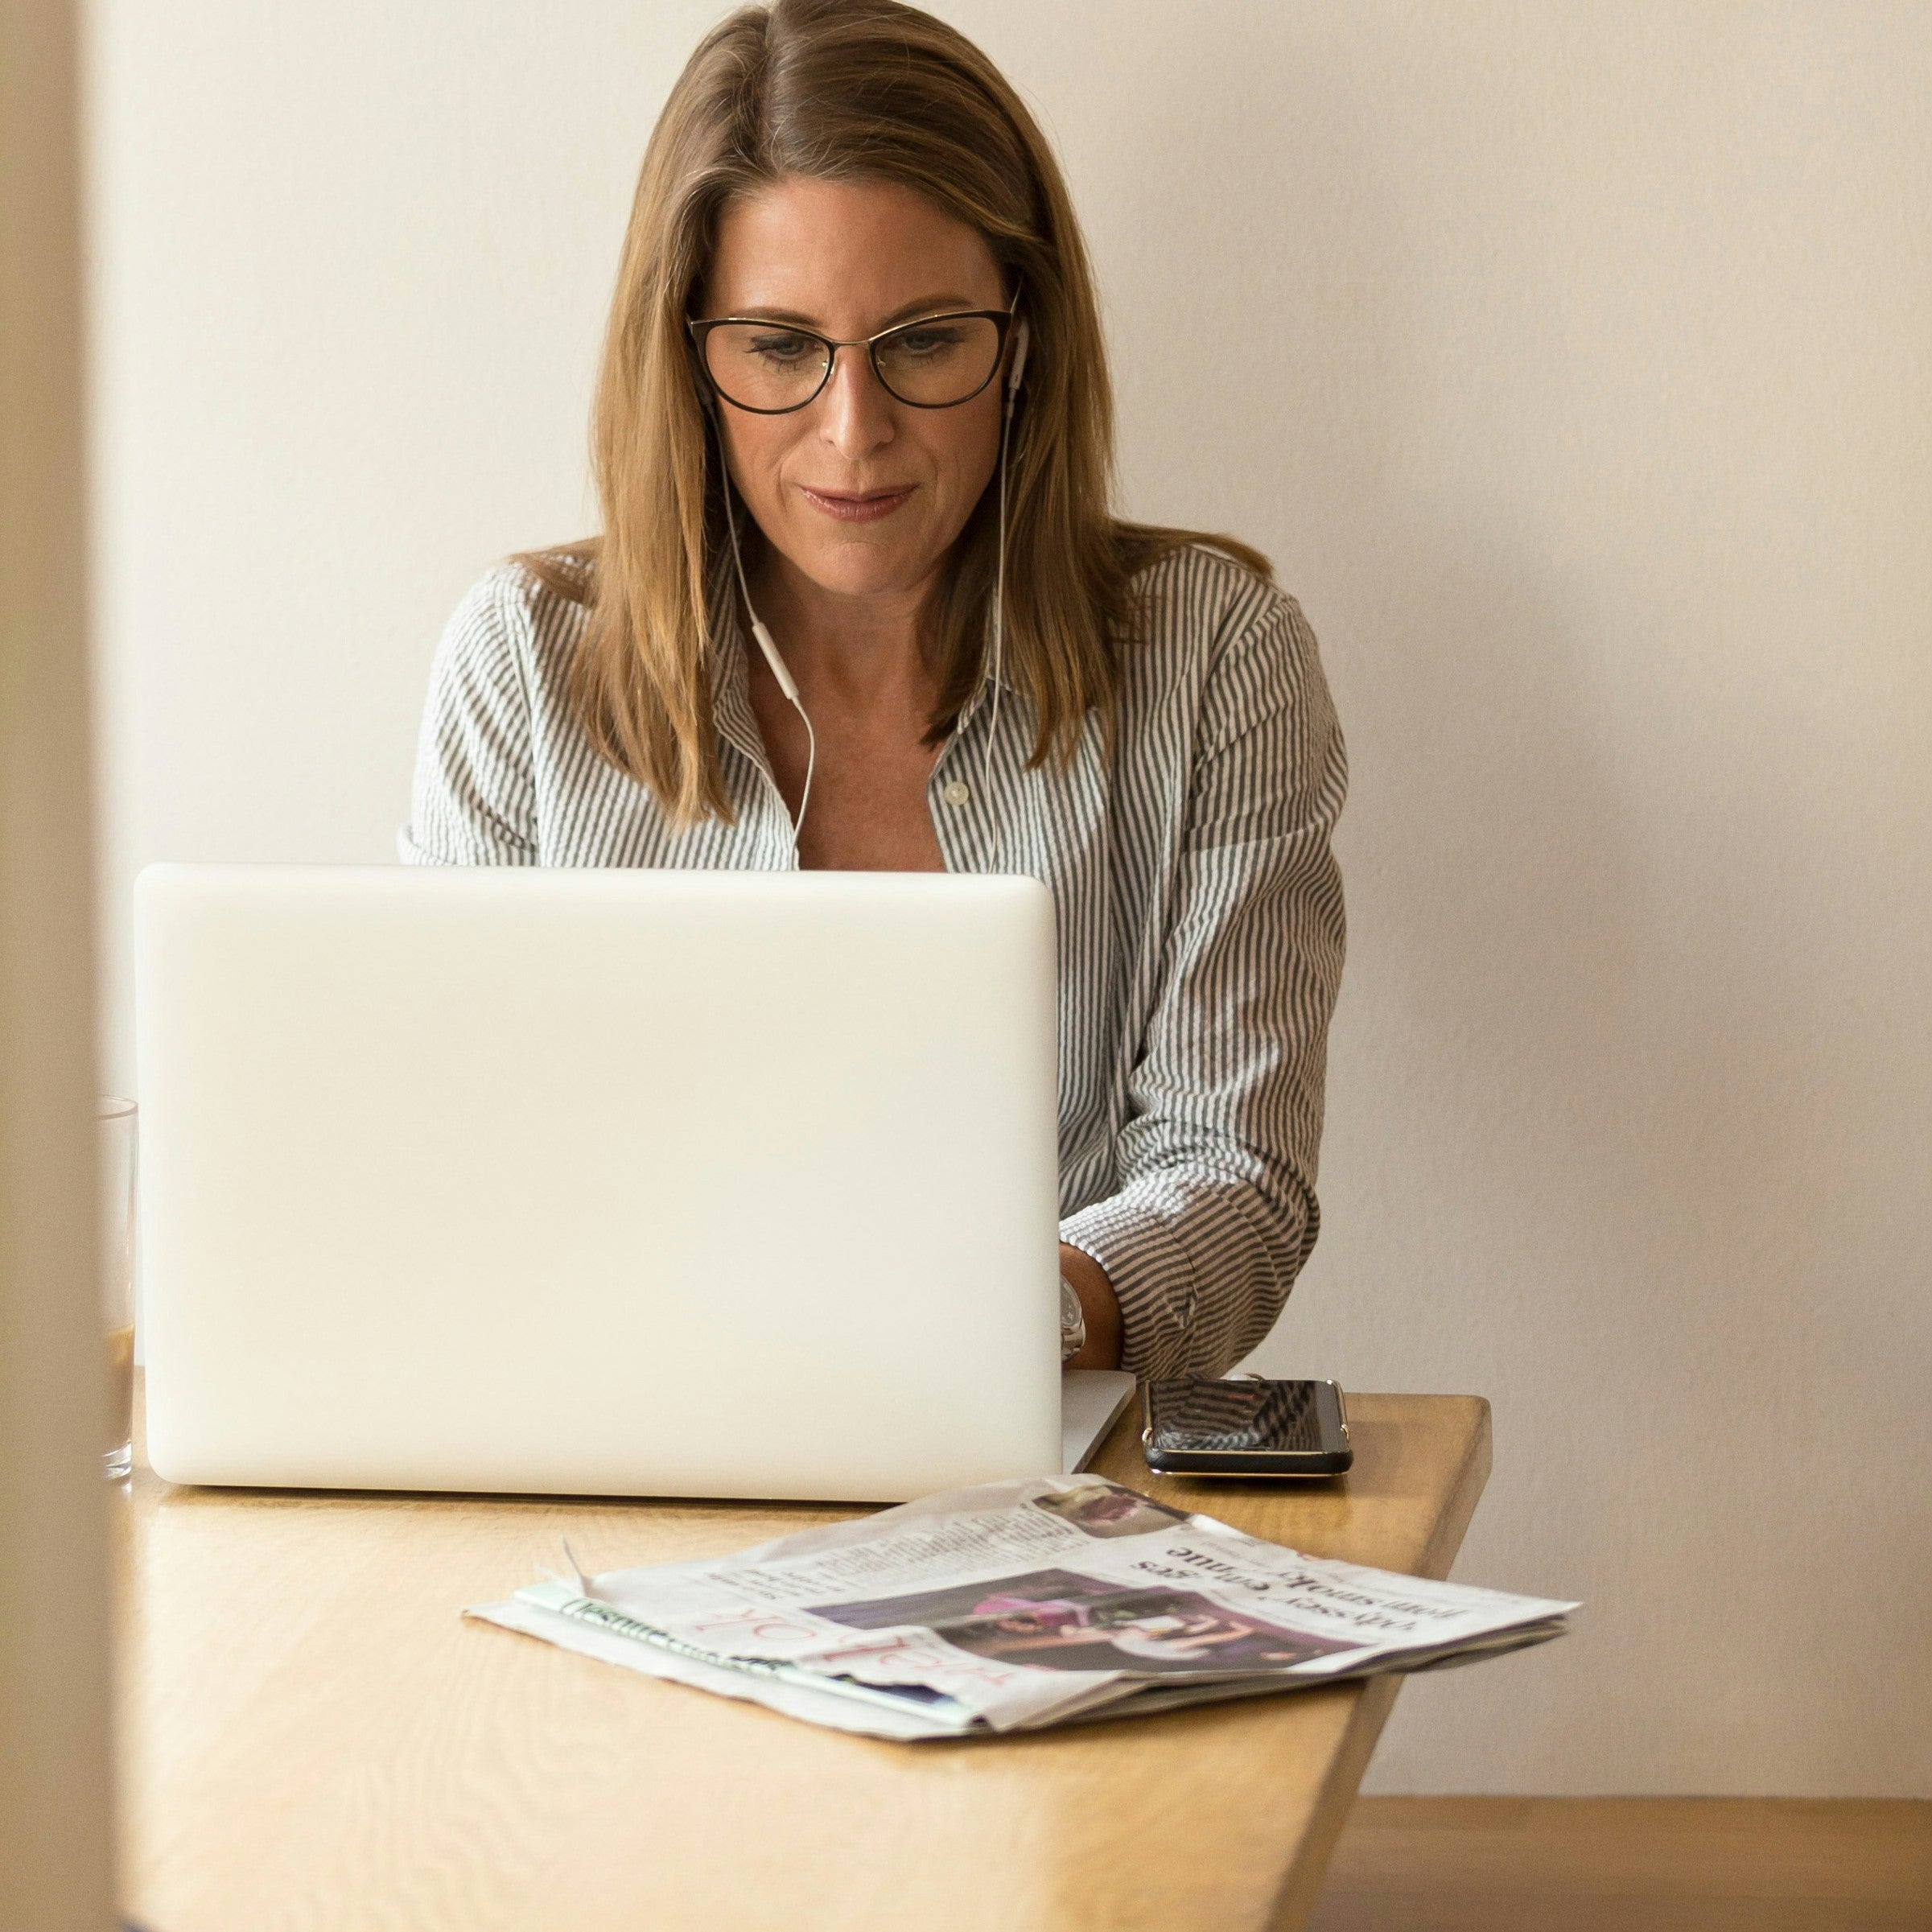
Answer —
524 613
1198 611
1223 658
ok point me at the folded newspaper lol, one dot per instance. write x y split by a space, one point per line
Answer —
1016 1605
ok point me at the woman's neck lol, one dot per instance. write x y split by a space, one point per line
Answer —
859 650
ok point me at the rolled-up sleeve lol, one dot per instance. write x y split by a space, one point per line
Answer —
472 800
1216 1212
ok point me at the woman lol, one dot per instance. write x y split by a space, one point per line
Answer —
859 602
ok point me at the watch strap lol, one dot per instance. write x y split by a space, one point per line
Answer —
1073 1321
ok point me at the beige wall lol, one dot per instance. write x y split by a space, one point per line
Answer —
54 1776
1571 361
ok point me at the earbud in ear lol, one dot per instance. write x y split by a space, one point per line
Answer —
1019 361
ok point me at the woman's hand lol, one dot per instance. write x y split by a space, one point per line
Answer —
1101 1349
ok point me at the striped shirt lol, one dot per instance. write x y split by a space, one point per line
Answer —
1199 906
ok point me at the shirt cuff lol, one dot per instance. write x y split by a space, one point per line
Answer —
1160 1245
412 854
1152 1277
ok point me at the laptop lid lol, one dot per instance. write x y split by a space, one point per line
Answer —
598 1181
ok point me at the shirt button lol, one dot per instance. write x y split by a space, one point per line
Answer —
958 791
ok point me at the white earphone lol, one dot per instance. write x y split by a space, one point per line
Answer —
762 638
1000 575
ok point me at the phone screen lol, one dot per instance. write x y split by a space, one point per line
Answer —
1243 1417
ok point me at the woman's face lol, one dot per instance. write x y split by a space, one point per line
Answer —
848 259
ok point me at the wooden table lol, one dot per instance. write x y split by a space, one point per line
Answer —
311 1738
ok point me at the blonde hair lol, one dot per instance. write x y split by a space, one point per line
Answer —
845 90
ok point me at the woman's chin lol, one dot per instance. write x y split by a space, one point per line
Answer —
860 570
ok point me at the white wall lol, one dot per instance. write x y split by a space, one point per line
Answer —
1572 362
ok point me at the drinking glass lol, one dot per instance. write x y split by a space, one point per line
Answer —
114 1124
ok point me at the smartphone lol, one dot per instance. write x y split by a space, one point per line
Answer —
1245 1428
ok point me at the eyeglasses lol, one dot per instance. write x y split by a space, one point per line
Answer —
773 367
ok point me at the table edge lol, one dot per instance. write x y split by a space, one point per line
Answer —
1375 1697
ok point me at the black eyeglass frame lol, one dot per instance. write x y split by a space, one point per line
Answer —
1003 319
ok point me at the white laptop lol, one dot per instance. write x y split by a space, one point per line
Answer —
601 1182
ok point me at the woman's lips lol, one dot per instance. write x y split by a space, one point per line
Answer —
867 508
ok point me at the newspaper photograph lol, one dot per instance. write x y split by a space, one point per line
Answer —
1016 1606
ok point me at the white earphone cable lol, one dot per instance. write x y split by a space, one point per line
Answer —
999 603
763 638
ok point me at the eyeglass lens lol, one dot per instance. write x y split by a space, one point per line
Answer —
765 365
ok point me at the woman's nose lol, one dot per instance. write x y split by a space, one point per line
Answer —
855 407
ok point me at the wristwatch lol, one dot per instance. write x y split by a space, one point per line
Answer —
1073 1321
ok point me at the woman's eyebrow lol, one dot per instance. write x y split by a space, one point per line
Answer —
930 305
